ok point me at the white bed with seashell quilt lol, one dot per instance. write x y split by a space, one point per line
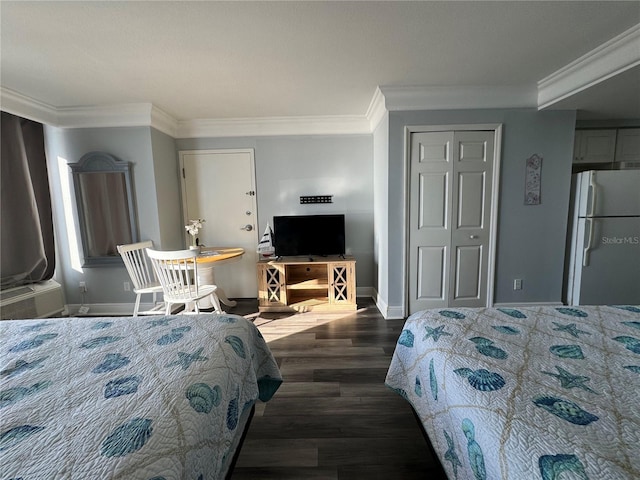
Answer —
163 397
525 393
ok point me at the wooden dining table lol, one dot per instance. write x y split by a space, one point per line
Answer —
207 260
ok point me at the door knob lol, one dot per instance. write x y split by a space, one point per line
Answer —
247 227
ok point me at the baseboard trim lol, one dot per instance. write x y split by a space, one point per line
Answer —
106 309
528 304
368 292
388 312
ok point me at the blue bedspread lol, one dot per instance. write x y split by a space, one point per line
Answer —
160 397
525 393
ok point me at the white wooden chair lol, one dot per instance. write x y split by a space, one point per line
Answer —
141 274
177 272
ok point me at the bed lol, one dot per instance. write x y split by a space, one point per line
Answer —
160 397
525 393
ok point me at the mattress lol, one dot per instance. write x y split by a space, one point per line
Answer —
163 397
525 393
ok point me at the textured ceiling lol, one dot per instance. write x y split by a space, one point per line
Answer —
216 60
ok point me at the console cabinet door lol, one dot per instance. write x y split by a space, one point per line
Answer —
271 285
342 289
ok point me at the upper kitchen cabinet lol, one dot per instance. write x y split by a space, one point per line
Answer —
595 146
628 145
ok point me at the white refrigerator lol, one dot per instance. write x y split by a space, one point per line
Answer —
604 257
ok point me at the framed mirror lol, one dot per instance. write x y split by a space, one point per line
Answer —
106 212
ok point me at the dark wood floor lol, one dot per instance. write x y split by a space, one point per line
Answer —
333 417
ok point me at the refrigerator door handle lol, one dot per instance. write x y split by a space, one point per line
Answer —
587 250
593 186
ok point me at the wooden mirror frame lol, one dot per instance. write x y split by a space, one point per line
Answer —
86 170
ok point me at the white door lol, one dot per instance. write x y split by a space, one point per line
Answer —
219 186
451 182
430 222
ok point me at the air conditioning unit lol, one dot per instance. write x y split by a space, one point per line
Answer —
38 300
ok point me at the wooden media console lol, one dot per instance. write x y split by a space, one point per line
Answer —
306 284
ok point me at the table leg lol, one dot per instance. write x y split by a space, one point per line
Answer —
206 277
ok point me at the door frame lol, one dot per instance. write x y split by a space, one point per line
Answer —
493 228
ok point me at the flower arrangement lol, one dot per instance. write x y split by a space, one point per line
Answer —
193 227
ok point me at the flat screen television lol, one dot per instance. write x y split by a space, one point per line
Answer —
298 235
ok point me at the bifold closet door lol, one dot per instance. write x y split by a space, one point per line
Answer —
450 195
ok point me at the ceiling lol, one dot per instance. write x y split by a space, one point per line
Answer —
240 59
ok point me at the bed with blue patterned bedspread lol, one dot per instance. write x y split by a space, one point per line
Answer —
162 397
525 393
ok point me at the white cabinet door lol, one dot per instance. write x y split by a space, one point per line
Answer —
594 146
628 145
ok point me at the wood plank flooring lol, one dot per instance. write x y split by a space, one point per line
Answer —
333 417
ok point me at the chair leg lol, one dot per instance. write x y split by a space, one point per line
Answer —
216 303
188 307
168 309
137 305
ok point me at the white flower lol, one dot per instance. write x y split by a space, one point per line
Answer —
194 226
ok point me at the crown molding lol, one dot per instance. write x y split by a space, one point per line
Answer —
609 59
161 120
274 126
377 109
457 98
147 114
27 107
123 115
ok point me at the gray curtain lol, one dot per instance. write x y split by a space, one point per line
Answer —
27 251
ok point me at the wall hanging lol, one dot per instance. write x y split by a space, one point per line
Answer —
532 180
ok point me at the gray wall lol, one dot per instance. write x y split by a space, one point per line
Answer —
531 239
168 191
290 166
381 207
131 144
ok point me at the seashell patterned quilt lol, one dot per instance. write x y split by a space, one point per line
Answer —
160 397
525 393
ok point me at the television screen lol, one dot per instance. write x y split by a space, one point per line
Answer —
299 235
